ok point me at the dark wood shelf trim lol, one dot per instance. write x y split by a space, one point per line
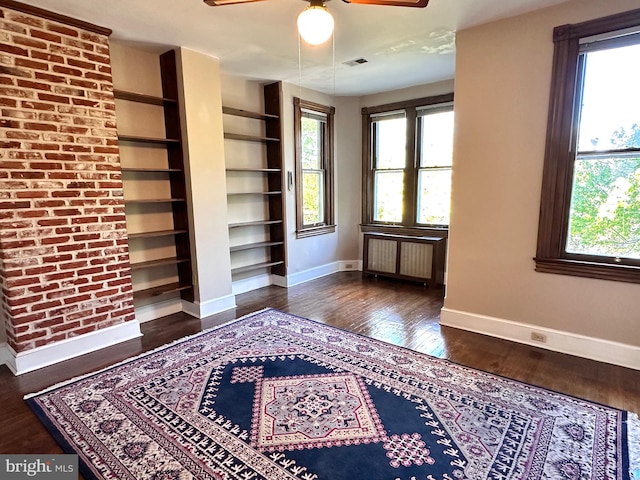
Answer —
255 170
154 140
237 194
249 138
256 223
142 98
158 263
238 112
257 266
160 290
150 170
157 233
154 200
251 246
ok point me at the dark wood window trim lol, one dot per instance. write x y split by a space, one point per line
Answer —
328 226
559 157
405 231
56 17
408 226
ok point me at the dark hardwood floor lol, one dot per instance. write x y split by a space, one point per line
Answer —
400 313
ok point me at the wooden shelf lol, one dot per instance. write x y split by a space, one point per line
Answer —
153 200
151 140
251 246
171 177
255 170
238 112
249 138
257 266
265 166
150 170
142 98
158 233
256 223
236 194
158 263
160 290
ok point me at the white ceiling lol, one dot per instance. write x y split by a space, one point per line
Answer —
403 46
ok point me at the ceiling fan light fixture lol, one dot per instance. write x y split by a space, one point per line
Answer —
315 23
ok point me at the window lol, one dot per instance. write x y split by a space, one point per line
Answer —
435 134
314 164
590 205
389 165
407 163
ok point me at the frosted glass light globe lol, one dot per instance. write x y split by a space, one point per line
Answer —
315 24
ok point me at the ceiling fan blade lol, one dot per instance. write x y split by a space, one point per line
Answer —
395 3
215 3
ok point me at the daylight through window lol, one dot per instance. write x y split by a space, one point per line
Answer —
408 163
590 205
605 202
314 147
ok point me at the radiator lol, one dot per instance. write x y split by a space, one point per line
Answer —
382 256
416 259
413 258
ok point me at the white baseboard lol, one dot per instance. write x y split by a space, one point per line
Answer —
350 266
312 273
46 355
146 313
320 271
558 341
279 281
7 357
210 307
259 281
251 283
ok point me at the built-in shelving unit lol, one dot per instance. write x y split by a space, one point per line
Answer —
159 141
249 138
250 246
159 233
254 224
162 290
158 263
162 266
151 170
258 244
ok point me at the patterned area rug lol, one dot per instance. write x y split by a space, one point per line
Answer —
277 397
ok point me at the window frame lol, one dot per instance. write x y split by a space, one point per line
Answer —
327 226
560 155
421 114
411 110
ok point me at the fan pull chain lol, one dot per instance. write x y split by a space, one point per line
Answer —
333 61
299 68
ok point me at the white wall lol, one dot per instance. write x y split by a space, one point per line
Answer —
501 104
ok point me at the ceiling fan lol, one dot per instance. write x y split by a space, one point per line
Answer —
315 23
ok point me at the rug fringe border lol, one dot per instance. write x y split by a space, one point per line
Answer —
143 354
632 420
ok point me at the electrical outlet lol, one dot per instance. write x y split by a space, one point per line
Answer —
538 337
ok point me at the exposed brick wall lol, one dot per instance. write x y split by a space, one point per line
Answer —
64 260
